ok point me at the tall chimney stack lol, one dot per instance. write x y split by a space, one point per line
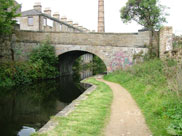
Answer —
37 6
101 24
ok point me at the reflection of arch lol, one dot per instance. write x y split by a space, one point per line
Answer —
67 59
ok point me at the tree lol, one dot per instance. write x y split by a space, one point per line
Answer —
148 13
8 12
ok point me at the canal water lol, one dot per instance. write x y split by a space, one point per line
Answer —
25 109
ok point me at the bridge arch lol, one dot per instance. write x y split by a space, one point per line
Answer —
67 59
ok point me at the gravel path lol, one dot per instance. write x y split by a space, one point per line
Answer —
126 118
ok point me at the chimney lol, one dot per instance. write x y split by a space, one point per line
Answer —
70 22
56 15
86 30
47 11
37 6
75 25
80 27
63 18
101 25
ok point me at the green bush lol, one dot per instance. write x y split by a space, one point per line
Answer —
45 56
42 65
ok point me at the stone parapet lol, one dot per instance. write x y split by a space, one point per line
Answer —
93 39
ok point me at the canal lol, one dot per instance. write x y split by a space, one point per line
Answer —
25 109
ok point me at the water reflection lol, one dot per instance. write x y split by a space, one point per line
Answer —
32 105
26 131
86 73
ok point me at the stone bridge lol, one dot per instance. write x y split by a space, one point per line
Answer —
115 49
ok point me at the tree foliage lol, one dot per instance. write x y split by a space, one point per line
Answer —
148 13
8 12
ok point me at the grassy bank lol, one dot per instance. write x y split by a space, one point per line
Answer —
148 85
89 117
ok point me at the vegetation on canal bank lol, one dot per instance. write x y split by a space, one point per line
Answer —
41 65
89 117
158 98
97 66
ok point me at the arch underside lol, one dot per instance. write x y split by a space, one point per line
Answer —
114 58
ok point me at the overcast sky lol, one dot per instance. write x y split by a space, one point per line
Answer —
85 12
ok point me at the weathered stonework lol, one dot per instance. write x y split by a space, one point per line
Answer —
116 50
175 54
101 23
115 58
137 40
166 40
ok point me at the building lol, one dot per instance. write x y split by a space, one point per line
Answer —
36 20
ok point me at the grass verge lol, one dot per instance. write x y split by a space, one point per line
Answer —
89 117
147 83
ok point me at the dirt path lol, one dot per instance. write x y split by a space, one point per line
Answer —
126 118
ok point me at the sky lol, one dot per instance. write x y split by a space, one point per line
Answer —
85 13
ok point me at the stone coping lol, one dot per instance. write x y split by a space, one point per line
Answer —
106 33
51 124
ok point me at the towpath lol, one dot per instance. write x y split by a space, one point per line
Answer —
126 118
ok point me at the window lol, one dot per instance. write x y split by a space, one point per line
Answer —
49 22
30 21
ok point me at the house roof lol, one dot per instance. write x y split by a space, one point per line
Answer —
31 12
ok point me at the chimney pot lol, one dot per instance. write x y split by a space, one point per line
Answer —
37 6
47 11
70 22
63 18
56 15
80 27
75 25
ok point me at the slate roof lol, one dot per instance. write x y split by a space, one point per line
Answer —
30 13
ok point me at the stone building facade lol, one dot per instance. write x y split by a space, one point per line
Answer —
36 20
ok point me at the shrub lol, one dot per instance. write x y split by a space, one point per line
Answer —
45 56
42 65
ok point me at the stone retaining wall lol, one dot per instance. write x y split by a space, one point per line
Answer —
175 54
